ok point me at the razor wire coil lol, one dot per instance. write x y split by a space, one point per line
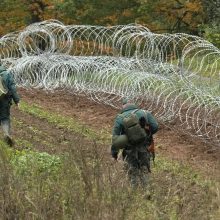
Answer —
176 76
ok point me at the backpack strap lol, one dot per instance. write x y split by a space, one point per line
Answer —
135 111
123 116
145 115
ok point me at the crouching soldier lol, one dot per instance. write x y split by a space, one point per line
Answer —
7 94
132 132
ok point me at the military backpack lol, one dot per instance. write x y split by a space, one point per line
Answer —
135 133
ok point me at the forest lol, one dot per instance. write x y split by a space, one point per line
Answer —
197 17
74 62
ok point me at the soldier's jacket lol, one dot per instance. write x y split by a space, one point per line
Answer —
6 101
118 128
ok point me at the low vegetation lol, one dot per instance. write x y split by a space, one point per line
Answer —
83 183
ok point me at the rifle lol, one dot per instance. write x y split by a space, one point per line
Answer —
147 129
151 149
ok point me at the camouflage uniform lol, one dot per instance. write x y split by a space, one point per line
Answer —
6 102
136 157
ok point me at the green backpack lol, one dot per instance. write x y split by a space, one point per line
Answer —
135 133
3 88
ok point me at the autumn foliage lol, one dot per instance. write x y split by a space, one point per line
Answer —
189 16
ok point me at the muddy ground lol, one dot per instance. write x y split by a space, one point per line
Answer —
169 142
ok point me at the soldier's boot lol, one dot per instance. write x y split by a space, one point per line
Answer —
144 178
133 177
9 140
134 182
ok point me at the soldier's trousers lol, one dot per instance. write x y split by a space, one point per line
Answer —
6 126
138 166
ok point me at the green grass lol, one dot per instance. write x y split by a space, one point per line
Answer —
81 184
204 66
84 184
70 124
103 136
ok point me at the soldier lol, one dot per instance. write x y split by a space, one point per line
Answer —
7 94
132 132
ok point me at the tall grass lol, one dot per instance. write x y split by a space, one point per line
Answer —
84 183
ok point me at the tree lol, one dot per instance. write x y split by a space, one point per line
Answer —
16 14
159 15
102 12
211 27
39 10
172 15
212 10
12 16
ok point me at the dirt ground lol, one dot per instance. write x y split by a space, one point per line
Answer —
169 142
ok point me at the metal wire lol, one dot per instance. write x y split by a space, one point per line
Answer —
176 76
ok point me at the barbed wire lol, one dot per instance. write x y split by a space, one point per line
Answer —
176 76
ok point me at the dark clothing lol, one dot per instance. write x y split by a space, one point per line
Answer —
118 128
137 157
6 101
138 167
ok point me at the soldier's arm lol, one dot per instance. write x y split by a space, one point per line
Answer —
117 128
152 122
12 88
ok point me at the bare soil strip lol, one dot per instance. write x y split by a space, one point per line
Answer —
169 143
